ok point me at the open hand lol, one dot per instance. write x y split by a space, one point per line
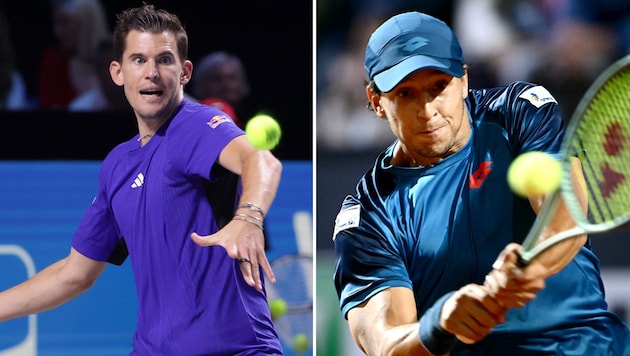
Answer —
244 242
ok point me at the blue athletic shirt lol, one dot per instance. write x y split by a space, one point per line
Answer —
435 229
192 300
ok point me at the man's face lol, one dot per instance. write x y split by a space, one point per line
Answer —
152 74
426 111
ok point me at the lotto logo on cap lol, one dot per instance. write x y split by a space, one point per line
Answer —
410 42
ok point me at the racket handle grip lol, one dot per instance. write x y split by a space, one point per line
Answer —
520 261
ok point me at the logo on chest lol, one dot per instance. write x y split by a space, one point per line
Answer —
478 177
138 182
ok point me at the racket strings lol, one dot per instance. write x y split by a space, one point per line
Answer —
294 285
603 138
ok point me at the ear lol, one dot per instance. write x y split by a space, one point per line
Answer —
115 72
375 102
187 69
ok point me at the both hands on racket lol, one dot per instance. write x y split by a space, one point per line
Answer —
474 310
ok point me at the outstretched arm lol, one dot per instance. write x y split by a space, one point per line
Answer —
243 237
388 324
51 287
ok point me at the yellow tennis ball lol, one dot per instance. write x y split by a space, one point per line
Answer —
300 343
534 173
278 307
263 131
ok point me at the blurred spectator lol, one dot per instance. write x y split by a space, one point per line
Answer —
343 120
561 44
586 36
220 80
67 68
12 87
106 95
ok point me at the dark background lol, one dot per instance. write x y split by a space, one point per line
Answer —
273 38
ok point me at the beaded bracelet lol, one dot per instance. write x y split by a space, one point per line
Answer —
252 207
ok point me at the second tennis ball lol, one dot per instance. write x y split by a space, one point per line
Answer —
301 344
278 307
263 131
534 173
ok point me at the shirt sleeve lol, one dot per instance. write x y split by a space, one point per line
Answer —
97 235
534 122
366 260
198 137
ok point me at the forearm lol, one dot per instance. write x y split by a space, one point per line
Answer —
387 324
558 256
44 291
400 340
260 179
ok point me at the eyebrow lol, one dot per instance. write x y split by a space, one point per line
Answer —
161 54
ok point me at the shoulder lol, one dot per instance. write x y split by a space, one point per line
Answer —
515 93
196 114
368 209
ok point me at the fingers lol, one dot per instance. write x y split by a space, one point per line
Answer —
471 313
511 285
508 258
245 243
201 240
249 268
266 266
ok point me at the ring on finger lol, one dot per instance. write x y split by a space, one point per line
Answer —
244 260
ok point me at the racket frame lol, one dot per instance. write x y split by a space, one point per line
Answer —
531 247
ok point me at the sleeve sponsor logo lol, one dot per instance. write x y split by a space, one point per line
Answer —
538 96
218 120
347 218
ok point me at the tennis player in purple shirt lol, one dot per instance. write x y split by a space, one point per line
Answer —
199 279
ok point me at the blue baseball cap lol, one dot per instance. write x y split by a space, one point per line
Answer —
409 42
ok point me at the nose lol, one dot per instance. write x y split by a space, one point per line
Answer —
152 70
426 107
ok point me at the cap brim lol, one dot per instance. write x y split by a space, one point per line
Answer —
389 78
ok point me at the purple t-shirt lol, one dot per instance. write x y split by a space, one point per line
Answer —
192 300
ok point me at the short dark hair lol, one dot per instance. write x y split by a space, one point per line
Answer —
147 18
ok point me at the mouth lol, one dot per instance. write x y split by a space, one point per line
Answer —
430 131
152 92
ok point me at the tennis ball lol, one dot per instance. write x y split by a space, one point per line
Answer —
263 131
301 343
534 173
278 307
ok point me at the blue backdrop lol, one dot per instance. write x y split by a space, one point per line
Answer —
41 204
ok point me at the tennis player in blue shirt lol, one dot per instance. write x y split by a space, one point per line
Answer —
425 248
200 288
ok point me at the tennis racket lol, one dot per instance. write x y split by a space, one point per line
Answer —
599 135
294 284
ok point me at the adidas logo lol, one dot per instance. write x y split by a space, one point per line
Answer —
138 182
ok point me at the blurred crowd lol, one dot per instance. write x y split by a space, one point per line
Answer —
73 72
561 44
